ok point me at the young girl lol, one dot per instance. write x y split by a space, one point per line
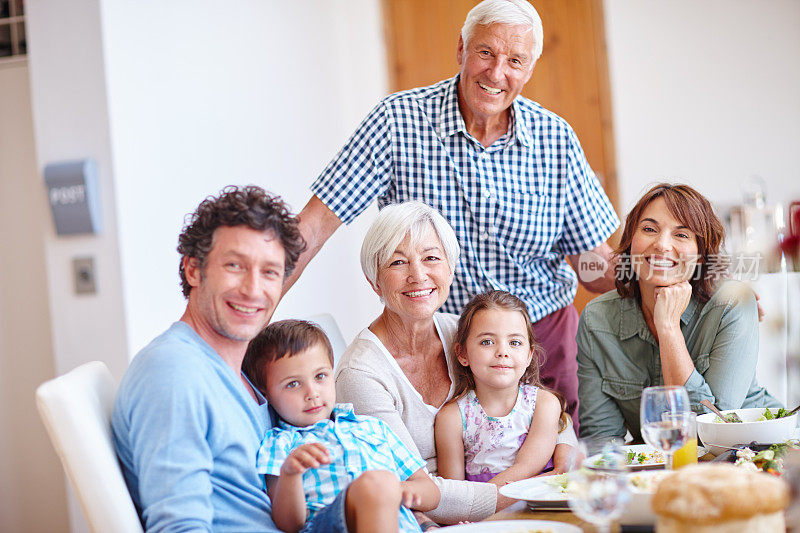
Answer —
502 424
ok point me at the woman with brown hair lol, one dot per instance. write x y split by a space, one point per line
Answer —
671 320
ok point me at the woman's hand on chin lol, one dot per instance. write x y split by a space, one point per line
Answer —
671 302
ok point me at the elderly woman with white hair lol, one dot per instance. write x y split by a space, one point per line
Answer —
399 369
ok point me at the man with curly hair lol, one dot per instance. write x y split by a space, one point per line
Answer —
187 422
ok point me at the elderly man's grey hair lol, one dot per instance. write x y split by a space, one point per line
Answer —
392 225
505 12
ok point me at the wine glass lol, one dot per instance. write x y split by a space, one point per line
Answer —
598 490
664 417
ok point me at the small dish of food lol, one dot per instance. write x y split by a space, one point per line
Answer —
642 485
548 492
765 457
644 457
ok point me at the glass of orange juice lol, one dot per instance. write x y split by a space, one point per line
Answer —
687 454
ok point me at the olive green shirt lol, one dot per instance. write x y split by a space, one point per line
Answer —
618 356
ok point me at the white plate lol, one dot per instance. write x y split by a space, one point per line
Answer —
650 463
538 491
512 526
646 449
540 494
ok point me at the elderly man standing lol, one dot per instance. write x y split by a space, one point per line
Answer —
508 175
187 422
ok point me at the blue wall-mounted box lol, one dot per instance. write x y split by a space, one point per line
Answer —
74 197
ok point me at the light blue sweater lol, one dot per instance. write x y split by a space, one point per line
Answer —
187 433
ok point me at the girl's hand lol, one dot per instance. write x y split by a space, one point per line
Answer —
565 458
671 302
304 457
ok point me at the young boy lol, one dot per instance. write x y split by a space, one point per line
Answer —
328 469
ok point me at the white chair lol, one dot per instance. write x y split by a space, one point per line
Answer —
331 329
76 409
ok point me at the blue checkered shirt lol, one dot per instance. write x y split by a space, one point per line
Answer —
356 444
517 207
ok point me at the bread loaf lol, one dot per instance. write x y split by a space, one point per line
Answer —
717 498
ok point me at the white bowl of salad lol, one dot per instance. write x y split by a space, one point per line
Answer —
758 424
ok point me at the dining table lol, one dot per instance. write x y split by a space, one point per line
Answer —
521 511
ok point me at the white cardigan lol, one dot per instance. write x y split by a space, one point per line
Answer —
369 377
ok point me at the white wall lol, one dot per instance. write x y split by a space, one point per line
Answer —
257 92
68 95
175 101
705 92
70 121
30 474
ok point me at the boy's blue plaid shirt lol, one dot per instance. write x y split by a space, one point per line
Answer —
355 443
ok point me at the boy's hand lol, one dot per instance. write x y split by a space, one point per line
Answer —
304 457
409 497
